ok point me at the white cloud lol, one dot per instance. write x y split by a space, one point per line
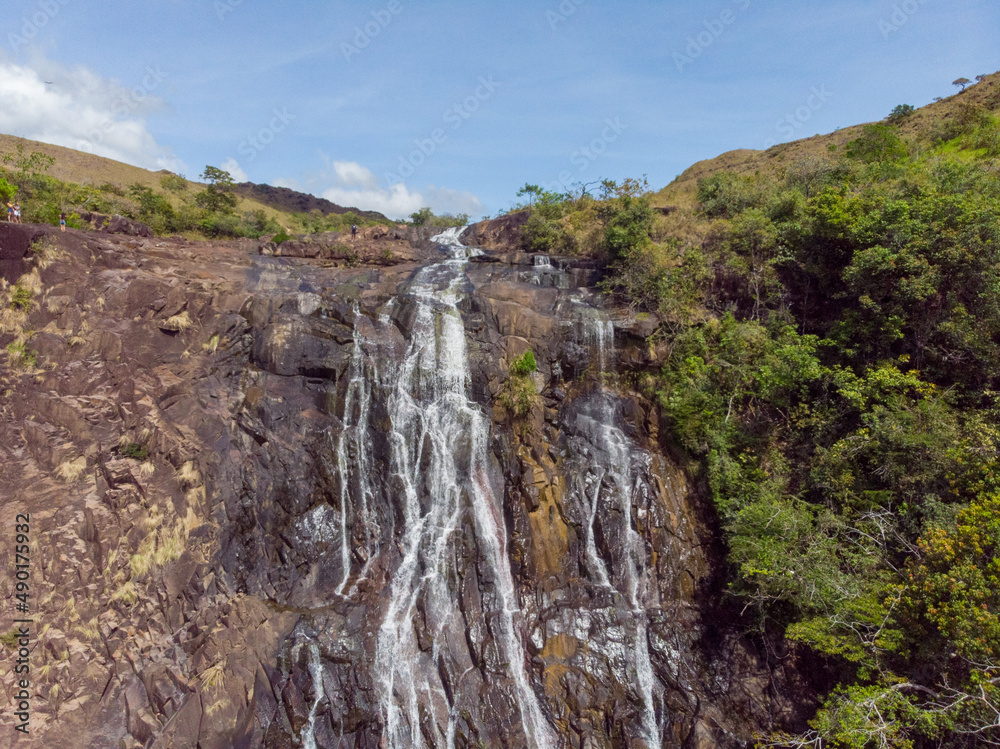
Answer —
352 174
396 202
79 109
399 201
235 170
353 185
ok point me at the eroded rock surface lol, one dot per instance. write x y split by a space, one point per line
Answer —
231 588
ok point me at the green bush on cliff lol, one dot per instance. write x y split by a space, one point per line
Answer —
524 365
518 394
21 356
21 298
135 451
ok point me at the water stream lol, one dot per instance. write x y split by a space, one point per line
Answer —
617 481
439 460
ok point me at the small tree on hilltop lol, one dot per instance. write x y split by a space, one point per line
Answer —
421 217
963 82
980 78
219 195
900 113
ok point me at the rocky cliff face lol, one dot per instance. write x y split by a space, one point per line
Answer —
276 503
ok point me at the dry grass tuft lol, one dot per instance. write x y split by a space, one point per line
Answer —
180 322
188 475
127 594
145 470
70 471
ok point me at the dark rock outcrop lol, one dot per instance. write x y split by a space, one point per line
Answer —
206 448
503 233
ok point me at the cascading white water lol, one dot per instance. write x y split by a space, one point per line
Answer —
621 477
439 459
316 671
353 462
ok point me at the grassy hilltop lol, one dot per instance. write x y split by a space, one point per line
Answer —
62 179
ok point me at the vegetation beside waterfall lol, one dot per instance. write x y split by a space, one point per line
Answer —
831 333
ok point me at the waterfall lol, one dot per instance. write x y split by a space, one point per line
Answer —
352 454
316 672
616 481
439 462
544 273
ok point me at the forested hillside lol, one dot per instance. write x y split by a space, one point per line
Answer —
829 344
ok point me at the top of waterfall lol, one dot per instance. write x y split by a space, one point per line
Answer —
451 238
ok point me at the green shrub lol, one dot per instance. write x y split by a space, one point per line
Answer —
21 355
7 191
173 183
900 113
135 451
524 365
21 298
518 394
878 143
281 236
726 194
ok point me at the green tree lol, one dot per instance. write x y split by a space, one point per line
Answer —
421 217
219 196
28 166
7 191
173 183
878 143
900 113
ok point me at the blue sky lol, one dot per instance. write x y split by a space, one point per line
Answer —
395 104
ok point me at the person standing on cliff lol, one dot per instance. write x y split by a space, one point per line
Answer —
354 232
17 213
10 212
62 221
